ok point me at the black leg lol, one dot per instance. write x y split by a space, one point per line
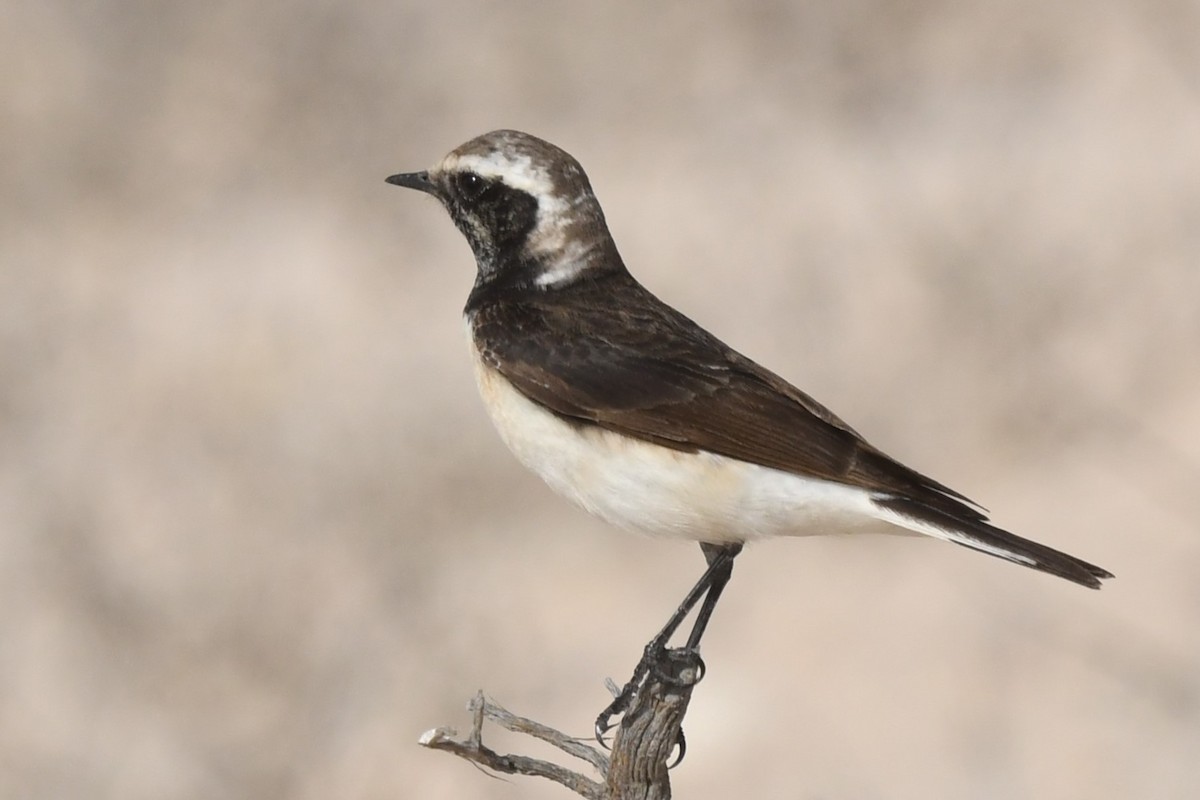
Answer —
719 556
709 587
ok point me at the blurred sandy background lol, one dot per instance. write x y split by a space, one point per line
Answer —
256 534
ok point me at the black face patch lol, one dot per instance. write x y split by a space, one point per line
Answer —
495 218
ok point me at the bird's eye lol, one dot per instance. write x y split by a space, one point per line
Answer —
470 185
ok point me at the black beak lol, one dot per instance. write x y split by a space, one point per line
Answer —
415 180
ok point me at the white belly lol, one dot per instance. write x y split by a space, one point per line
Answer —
645 487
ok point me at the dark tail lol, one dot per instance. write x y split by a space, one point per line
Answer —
979 535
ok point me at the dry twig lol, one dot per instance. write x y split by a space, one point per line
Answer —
645 739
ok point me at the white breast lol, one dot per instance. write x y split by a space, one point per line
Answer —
645 487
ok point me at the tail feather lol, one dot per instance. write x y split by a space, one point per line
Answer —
978 535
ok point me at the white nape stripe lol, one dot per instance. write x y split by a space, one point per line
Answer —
566 265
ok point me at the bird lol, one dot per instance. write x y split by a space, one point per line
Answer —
638 414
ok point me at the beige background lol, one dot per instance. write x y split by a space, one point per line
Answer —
256 533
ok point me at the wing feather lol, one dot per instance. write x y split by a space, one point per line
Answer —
633 365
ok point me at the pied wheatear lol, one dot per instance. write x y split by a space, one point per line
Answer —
638 414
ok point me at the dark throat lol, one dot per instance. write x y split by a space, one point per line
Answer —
513 276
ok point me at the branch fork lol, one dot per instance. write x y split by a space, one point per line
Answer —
646 737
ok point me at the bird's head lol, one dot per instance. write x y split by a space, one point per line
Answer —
523 204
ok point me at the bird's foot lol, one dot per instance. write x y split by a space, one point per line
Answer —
664 665
624 697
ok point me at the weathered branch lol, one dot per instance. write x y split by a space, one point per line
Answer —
647 735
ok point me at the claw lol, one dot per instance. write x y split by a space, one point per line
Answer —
624 697
604 722
681 744
602 727
617 707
